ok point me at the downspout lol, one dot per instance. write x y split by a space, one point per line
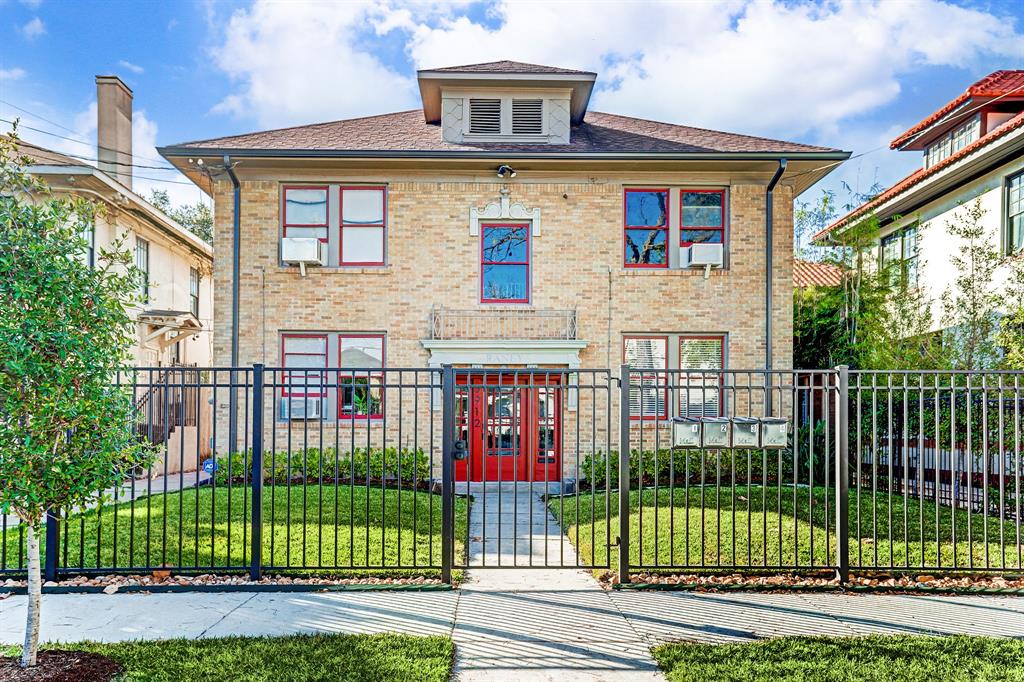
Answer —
236 230
769 262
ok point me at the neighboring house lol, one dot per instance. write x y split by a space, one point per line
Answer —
972 148
809 273
502 224
175 323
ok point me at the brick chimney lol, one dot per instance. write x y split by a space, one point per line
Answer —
114 128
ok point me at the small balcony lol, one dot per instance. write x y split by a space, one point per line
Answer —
502 323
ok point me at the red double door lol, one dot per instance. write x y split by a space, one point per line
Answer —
511 423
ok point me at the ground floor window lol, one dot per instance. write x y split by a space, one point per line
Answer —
332 375
697 392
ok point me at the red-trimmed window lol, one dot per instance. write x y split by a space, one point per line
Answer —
700 393
363 225
361 389
505 263
648 356
645 228
305 211
701 216
304 357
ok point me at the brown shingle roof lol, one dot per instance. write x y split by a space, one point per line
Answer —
47 157
807 273
406 132
506 66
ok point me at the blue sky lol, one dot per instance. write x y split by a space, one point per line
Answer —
842 74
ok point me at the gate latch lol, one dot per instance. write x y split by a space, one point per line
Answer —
460 451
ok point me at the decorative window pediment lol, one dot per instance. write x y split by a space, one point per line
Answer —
504 209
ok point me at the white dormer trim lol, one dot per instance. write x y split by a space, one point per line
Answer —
504 209
555 112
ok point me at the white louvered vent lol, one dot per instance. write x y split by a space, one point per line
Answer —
699 394
527 116
485 116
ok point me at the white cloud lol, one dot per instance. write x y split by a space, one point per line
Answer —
301 63
12 74
786 69
134 68
33 29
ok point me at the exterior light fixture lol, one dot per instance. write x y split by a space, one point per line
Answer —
506 172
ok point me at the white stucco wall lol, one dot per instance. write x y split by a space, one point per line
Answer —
936 246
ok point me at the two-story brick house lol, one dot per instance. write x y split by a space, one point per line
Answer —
503 224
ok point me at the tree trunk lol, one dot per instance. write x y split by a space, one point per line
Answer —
35 589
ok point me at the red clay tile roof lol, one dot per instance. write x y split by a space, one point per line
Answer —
922 174
996 84
407 132
807 273
506 66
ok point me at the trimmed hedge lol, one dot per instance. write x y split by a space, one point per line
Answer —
406 465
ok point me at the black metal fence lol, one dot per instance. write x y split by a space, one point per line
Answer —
426 470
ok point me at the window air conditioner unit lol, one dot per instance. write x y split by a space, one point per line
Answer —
705 256
303 251
301 408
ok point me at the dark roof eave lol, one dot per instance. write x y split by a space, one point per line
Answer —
823 155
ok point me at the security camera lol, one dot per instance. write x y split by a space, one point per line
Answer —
506 172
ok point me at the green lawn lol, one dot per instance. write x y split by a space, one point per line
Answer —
299 658
704 528
302 526
900 658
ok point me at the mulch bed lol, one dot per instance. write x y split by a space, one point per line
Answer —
61 666
113 583
787 582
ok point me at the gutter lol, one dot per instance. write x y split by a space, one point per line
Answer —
236 229
498 154
769 244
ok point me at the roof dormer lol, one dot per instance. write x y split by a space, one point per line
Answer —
505 102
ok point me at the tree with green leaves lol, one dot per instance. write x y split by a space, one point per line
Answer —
66 431
197 218
971 305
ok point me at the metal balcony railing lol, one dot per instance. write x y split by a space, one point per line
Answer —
502 323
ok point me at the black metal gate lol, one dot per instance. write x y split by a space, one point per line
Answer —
530 452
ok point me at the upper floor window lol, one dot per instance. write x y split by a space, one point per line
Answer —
661 225
355 228
645 223
1015 213
701 216
142 263
953 141
305 212
193 290
88 235
362 225
900 256
505 263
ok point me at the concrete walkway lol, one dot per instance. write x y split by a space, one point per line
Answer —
520 623
535 621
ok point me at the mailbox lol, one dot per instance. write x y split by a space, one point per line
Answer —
716 432
774 432
745 432
686 432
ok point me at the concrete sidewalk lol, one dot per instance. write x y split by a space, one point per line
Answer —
520 623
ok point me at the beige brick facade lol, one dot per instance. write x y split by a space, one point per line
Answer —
576 263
